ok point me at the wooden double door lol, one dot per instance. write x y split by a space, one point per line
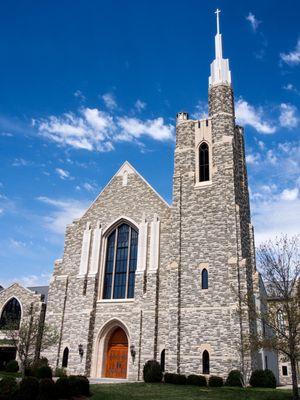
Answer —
117 355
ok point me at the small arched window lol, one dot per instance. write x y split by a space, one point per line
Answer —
203 162
65 358
11 315
205 362
162 360
204 279
121 261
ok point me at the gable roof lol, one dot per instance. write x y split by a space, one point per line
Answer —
130 169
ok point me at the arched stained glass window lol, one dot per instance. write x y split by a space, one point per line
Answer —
120 265
65 358
11 315
204 279
203 162
205 362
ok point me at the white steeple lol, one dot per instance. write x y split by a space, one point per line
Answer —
219 68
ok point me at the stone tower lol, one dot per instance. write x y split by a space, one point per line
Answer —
212 235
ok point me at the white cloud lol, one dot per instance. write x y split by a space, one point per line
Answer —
248 115
109 101
17 244
29 280
275 216
63 174
135 128
290 88
65 211
288 118
93 129
293 57
254 22
20 162
271 157
253 158
201 110
90 187
290 194
79 95
140 105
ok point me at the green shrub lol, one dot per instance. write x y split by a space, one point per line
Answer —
29 388
215 381
47 390
152 372
43 372
60 372
29 371
12 366
168 377
179 379
263 378
79 385
196 380
235 378
8 387
62 386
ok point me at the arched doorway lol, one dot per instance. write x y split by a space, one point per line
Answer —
116 355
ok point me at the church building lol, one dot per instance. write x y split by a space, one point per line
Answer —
142 279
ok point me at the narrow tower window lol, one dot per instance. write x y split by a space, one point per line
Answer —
203 162
121 260
205 362
204 279
65 358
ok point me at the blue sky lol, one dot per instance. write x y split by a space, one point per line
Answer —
86 85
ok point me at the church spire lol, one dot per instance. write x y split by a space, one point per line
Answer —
219 68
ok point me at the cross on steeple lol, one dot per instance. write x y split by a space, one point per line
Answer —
219 69
218 21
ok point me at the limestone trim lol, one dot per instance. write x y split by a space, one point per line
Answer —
85 250
96 250
142 247
154 244
100 345
202 184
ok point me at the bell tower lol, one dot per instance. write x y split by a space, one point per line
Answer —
212 235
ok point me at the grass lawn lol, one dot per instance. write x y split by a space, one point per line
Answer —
143 391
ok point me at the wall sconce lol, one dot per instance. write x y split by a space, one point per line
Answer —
80 351
132 352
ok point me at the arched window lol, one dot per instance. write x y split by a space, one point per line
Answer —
204 279
65 358
203 162
205 362
120 265
11 315
162 360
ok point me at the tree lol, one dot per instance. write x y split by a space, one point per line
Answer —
32 337
279 265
